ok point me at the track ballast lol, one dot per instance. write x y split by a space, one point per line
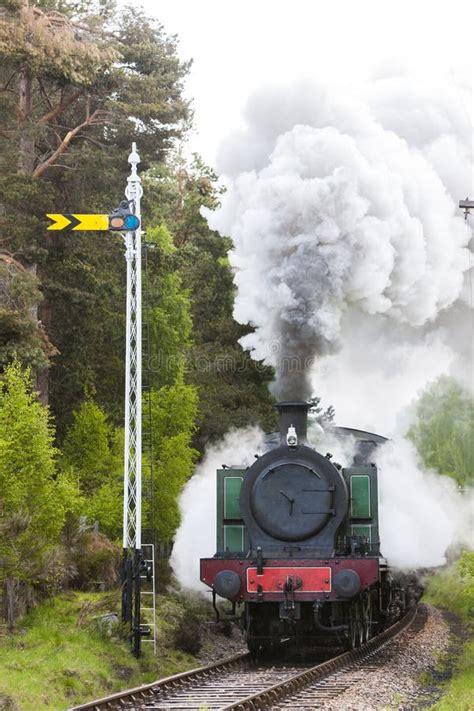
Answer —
241 683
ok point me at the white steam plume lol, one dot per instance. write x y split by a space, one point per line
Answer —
339 203
196 537
421 514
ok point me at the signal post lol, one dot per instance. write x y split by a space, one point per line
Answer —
132 495
126 219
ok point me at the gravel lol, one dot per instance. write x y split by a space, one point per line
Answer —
219 641
397 683
405 678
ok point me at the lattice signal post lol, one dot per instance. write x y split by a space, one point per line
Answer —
126 218
132 510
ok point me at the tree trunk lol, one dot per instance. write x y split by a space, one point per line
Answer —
10 586
26 166
45 316
26 152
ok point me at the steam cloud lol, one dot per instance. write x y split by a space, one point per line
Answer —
350 254
196 537
421 514
339 205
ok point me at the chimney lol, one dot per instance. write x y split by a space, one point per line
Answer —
293 413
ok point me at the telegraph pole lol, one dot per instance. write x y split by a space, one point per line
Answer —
132 500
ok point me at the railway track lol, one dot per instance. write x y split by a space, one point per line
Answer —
241 683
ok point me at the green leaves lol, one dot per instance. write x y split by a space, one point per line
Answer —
48 44
34 497
93 452
87 446
444 430
173 416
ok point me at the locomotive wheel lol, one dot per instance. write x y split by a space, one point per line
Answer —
359 623
361 626
253 646
354 626
367 618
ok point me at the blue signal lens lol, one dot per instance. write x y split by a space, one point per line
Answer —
131 222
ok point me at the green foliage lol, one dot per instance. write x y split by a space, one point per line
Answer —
79 88
85 286
34 499
466 568
233 389
27 461
29 38
170 327
458 695
173 414
87 446
160 237
105 505
93 451
444 430
453 589
63 659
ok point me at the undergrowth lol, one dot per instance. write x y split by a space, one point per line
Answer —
62 656
453 590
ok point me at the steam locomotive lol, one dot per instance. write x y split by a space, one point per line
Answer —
298 543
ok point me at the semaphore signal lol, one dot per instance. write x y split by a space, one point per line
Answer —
127 219
121 220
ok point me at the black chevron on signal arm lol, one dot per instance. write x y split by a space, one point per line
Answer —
73 220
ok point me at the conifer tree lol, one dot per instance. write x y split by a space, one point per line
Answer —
79 82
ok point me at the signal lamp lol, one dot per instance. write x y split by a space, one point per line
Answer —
123 222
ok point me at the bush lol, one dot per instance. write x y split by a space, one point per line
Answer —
163 575
187 636
454 588
188 630
97 560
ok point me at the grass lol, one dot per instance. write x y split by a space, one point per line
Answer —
453 590
60 658
459 694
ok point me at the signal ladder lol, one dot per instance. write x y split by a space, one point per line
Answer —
148 603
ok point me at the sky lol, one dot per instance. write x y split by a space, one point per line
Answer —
238 47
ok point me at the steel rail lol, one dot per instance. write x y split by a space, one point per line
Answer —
273 694
147 691
259 700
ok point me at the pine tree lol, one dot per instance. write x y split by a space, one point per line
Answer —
233 388
79 84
